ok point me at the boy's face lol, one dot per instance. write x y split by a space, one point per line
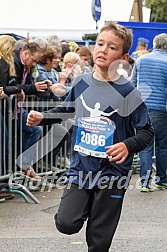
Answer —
108 48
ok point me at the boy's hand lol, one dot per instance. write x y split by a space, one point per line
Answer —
34 118
117 152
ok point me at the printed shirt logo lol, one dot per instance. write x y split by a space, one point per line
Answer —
94 133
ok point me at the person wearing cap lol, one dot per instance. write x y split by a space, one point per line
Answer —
73 46
141 48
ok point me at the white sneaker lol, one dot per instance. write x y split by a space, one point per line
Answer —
63 162
2 200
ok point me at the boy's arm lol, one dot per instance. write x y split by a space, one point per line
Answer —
57 115
49 117
144 136
62 112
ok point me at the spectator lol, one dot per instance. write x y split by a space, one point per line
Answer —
71 67
19 44
65 49
25 60
141 48
71 58
7 69
150 76
54 41
3 195
46 71
85 55
73 46
7 82
41 42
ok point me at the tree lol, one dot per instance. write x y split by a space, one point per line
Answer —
158 10
90 36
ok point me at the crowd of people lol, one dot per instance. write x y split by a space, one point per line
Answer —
112 120
36 67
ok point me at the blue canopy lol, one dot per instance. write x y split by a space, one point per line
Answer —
17 37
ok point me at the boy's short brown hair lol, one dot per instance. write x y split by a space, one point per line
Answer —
122 32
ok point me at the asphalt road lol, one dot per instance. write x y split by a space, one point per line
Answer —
30 227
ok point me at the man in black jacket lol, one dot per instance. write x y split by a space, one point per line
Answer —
25 60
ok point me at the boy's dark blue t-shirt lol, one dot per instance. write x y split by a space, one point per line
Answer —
118 101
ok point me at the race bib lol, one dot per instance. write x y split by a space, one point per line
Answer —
93 135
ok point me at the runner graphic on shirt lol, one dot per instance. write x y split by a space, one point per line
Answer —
96 112
95 132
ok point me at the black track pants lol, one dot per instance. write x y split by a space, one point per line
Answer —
101 208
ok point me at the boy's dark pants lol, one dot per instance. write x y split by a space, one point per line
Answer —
102 208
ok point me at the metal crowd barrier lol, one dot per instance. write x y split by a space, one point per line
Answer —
46 162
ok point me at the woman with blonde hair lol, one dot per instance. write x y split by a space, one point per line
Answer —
8 86
7 67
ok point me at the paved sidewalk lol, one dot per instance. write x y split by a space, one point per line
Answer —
30 227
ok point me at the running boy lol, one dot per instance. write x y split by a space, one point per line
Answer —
112 124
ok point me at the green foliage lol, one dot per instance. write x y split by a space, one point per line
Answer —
90 36
158 10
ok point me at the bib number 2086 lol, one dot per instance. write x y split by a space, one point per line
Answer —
93 139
